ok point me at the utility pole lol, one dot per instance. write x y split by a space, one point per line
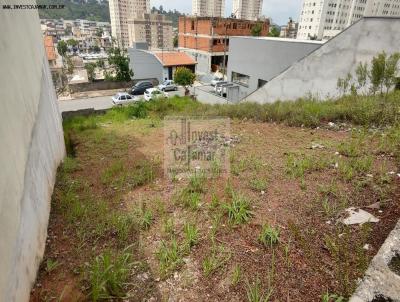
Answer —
226 37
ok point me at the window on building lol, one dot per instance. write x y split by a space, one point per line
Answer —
241 79
261 83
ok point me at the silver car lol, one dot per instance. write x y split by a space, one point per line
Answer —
168 85
123 98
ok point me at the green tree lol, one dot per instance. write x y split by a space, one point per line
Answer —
99 32
362 75
274 32
185 77
90 69
176 41
120 63
70 65
256 30
344 84
72 42
391 71
96 49
377 72
62 48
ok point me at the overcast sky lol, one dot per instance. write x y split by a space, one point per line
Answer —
278 10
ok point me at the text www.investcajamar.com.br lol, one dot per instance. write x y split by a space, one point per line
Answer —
33 6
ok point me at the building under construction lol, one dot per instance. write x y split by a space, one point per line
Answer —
206 39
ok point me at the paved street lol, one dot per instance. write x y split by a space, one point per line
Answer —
103 102
98 103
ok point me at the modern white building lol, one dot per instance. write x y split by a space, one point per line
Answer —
121 11
247 9
154 29
324 19
208 8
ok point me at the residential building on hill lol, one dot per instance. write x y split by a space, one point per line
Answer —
208 8
121 12
247 9
207 39
290 30
154 29
324 19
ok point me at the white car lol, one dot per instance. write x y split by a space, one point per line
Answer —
154 93
168 85
123 98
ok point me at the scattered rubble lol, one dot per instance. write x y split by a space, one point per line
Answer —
358 216
316 146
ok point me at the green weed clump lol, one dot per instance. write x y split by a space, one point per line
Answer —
108 275
169 255
191 235
217 258
269 235
298 166
255 293
239 209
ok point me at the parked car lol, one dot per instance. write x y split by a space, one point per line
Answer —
123 98
168 85
216 87
216 80
141 87
154 93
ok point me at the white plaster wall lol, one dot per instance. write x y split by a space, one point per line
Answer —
264 58
318 72
31 147
145 65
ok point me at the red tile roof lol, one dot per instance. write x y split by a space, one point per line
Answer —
175 58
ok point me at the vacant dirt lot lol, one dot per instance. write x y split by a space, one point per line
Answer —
271 229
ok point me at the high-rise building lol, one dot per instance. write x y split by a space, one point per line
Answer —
154 29
208 8
247 9
324 19
121 11
290 30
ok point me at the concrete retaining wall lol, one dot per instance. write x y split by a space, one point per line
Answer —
103 85
31 148
382 279
318 72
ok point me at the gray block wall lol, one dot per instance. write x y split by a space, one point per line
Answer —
318 72
31 148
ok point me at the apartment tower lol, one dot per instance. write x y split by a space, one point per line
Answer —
324 19
154 29
208 8
121 11
247 9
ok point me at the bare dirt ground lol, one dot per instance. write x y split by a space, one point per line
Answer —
296 189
